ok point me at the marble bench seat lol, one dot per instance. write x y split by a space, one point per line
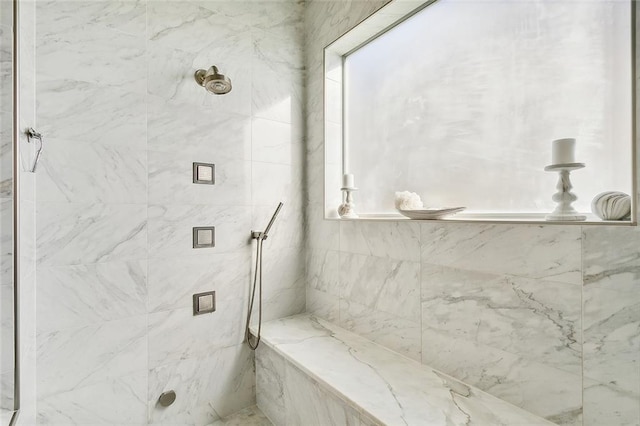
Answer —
311 372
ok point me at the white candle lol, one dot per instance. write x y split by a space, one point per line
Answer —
347 181
563 151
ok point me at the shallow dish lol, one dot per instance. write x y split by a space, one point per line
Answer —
430 214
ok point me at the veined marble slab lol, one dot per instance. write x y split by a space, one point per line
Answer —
381 384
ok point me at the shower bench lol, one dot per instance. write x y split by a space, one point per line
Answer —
312 372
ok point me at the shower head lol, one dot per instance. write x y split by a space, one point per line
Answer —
214 82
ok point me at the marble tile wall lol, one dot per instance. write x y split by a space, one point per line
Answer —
27 271
7 322
124 120
545 317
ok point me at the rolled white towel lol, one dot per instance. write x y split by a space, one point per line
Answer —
406 200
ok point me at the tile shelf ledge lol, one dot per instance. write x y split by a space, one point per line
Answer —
491 218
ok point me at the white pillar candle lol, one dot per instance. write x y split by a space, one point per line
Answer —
348 181
563 151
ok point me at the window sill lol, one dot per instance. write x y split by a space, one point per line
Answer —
492 218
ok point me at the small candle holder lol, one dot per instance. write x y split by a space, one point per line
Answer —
347 209
564 197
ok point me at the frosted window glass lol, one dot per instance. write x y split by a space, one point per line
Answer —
460 104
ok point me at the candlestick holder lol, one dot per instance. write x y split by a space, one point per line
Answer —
347 209
564 197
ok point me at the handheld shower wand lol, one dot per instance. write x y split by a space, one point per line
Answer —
264 234
257 280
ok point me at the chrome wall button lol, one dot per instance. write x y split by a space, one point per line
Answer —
204 303
167 398
204 236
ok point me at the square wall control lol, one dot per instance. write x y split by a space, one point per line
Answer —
204 303
204 236
204 173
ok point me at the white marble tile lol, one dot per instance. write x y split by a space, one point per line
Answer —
288 229
271 183
607 405
549 252
612 337
611 258
251 416
278 17
6 154
178 334
170 229
279 51
307 403
88 113
171 180
206 388
277 95
122 400
368 421
326 21
381 284
533 319
323 270
27 237
84 51
191 128
396 333
76 233
545 391
395 240
270 384
171 73
73 358
7 352
276 142
6 241
321 233
127 16
94 173
181 25
384 385
323 305
80 295
611 315
173 281
283 283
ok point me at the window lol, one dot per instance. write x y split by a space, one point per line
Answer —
460 103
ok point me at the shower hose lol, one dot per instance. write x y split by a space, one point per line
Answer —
257 282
